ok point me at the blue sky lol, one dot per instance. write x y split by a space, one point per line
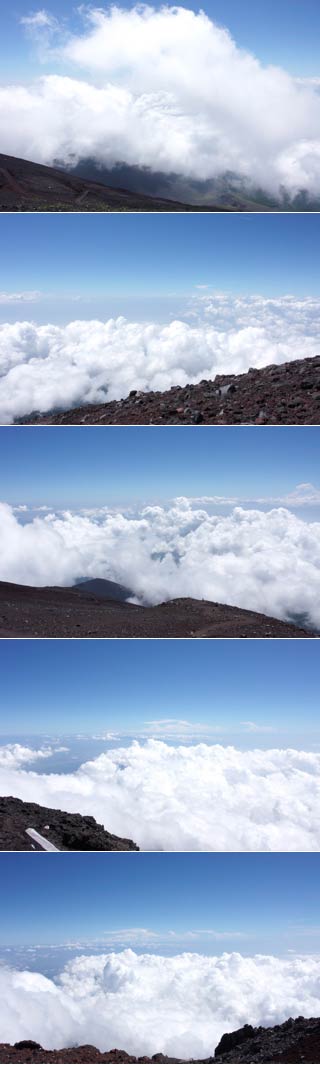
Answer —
266 897
290 39
56 686
74 467
119 264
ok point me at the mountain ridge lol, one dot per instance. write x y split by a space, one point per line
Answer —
54 612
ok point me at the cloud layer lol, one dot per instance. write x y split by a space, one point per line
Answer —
167 89
14 755
48 366
269 562
198 797
146 1004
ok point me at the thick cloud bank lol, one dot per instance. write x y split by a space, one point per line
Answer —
187 798
147 1003
170 90
269 562
47 366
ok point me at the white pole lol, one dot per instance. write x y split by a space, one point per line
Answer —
43 843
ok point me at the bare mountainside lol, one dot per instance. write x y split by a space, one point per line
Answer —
294 1041
27 186
69 613
283 395
67 832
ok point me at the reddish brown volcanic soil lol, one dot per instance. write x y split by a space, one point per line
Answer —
67 832
294 1041
27 186
278 395
65 612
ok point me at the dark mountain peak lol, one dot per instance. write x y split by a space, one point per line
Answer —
103 589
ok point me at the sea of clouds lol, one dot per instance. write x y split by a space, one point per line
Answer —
49 366
167 89
198 798
146 1003
268 561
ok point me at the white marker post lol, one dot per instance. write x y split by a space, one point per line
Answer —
43 843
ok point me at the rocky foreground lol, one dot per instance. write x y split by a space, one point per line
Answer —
28 186
294 1041
59 613
67 832
276 395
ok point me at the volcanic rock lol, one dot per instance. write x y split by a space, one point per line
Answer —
67 832
294 1041
277 395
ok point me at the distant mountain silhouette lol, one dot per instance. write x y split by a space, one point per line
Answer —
104 589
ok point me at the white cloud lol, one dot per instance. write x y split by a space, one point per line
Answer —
47 366
19 297
167 89
170 728
303 495
268 562
40 24
13 755
149 938
177 728
252 726
39 18
197 797
146 1003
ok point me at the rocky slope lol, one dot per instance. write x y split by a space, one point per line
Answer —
27 186
67 832
294 1041
68 613
283 395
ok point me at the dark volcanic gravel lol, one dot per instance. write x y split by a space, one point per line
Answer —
70 832
64 612
276 395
